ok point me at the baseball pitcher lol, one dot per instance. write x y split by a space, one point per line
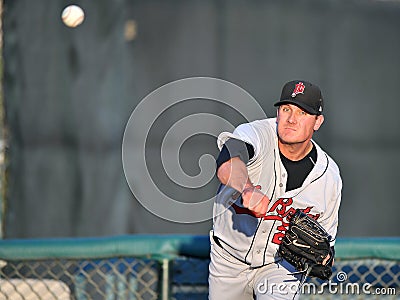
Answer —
276 211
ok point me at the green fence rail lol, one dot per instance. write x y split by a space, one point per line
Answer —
159 267
166 246
154 246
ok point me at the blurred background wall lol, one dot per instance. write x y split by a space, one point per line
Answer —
68 94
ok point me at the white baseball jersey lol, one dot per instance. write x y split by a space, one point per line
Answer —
253 240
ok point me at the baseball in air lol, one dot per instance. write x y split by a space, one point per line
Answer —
72 16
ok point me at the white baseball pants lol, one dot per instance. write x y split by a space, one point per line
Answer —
234 280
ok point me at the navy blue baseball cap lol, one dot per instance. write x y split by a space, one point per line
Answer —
303 94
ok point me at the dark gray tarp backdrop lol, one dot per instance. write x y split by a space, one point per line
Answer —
69 93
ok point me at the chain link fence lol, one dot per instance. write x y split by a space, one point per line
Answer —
113 278
174 277
358 279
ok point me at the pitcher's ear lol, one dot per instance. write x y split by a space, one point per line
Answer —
318 123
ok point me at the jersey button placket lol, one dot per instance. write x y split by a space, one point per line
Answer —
283 180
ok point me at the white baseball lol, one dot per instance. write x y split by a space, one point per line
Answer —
72 16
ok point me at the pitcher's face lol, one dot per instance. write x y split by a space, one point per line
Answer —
296 126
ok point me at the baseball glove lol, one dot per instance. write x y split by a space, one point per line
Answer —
305 245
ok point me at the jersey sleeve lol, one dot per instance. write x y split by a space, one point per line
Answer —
259 134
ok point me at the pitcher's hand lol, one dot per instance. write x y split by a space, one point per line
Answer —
255 200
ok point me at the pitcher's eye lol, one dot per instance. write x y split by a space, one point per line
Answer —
303 113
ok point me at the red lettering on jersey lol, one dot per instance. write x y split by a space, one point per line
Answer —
281 212
282 204
298 89
277 238
284 211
